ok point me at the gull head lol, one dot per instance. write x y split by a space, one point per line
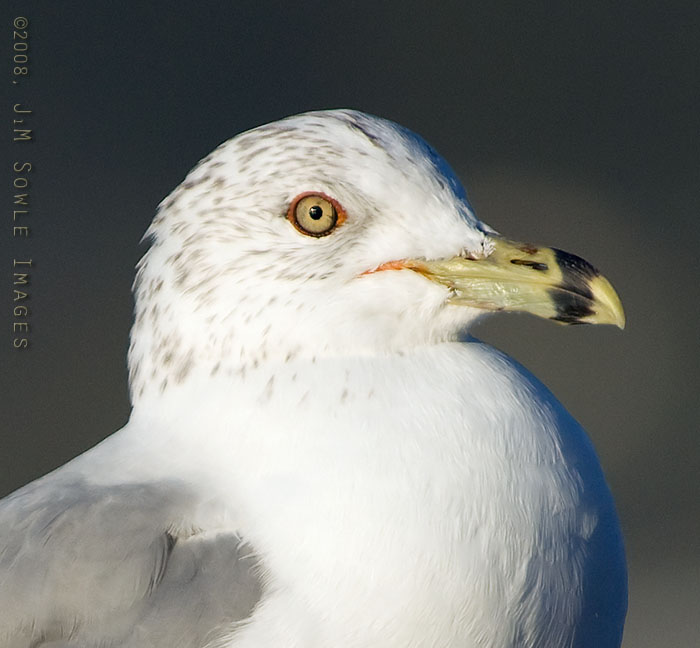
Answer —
331 233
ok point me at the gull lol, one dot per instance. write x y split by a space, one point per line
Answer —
318 452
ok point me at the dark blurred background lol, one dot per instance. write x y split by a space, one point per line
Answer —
573 124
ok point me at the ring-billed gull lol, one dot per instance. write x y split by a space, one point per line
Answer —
317 455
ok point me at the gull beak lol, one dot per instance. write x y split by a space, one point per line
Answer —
543 281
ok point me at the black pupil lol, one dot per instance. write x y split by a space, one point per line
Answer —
316 212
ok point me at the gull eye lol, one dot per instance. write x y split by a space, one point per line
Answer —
315 214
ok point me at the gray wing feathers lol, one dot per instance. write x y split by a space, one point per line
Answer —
84 565
213 580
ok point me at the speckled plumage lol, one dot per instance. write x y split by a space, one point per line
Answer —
395 483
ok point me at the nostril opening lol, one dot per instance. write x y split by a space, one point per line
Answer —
535 265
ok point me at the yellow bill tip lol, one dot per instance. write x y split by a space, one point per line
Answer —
608 307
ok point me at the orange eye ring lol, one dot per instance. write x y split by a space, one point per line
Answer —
313 213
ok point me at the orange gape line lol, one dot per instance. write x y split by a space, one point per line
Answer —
391 265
